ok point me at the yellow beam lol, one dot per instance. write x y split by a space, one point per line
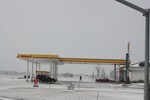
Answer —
85 60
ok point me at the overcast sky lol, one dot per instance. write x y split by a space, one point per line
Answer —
70 28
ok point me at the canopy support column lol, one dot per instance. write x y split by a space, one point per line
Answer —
27 71
118 73
114 72
36 70
51 69
56 71
32 71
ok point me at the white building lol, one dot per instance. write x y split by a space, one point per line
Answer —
135 73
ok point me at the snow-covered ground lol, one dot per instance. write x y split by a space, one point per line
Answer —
12 88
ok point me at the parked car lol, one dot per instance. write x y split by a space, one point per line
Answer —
104 80
46 79
44 76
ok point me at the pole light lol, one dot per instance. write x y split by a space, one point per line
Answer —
146 13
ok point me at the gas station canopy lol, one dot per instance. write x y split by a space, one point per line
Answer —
45 59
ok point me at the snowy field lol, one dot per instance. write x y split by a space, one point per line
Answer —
12 88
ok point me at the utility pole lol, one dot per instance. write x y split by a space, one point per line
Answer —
146 13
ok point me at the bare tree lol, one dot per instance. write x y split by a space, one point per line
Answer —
103 73
112 74
98 69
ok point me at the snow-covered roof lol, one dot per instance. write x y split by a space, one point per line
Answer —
136 68
137 63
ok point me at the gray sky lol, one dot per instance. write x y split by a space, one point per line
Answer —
70 28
